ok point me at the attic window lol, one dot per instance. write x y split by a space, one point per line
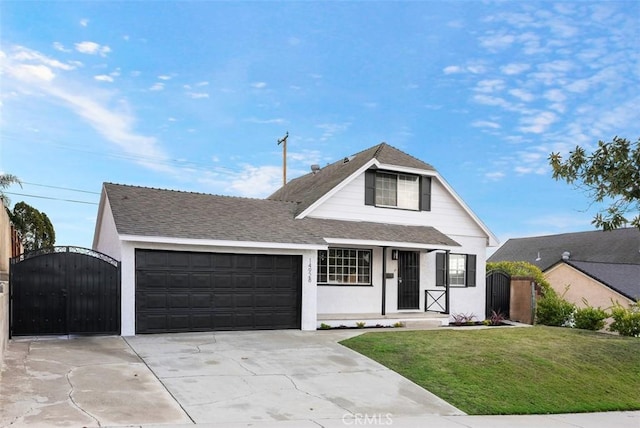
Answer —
398 190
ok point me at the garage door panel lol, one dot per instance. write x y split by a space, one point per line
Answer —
216 291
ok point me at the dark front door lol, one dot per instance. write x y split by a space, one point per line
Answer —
408 280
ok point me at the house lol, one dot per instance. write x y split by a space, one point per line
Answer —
600 267
369 236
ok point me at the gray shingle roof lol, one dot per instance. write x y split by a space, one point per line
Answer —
309 188
616 246
142 211
624 278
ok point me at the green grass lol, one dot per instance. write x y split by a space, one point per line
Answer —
514 370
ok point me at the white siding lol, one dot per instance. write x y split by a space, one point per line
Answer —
108 241
446 214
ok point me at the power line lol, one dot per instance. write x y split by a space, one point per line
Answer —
52 199
61 188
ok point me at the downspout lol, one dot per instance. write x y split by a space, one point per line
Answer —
384 281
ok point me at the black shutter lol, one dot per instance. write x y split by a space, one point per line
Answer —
370 187
471 270
441 269
425 193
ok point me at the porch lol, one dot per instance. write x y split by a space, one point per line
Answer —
408 319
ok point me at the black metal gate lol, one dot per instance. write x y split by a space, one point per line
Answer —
64 290
498 293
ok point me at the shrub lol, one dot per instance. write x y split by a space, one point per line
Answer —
461 318
626 321
324 326
590 318
360 324
496 318
554 310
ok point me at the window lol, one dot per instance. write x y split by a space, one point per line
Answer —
457 263
461 270
344 266
398 190
389 189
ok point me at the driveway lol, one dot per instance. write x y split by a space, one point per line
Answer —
220 378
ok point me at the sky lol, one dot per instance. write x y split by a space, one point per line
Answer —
194 95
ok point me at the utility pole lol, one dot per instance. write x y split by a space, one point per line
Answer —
283 141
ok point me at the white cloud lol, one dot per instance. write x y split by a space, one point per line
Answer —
259 85
495 175
523 95
164 77
258 181
452 69
103 78
331 129
497 41
514 68
158 86
60 47
277 121
491 100
555 95
30 72
23 54
485 124
204 83
84 22
490 85
539 123
197 95
92 48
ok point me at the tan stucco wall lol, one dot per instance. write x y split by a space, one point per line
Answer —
582 286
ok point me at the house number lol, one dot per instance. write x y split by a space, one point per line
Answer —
309 271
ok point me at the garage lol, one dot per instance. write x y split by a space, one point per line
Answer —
181 291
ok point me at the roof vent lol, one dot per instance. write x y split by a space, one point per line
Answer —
566 255
315 168
348 159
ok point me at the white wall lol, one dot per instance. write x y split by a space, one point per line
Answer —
309 294
108 241
446 214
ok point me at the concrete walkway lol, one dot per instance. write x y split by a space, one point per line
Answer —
279 379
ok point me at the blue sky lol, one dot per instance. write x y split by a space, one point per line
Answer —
194 95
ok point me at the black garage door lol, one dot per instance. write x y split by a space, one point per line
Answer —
178 291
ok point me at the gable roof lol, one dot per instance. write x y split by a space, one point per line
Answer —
623 278
151 213
615 246
308 188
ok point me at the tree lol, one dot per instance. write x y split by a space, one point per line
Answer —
611 173
7 180
34 227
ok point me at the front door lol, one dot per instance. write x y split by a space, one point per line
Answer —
408 280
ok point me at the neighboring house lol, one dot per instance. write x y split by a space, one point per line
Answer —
364 237
599 266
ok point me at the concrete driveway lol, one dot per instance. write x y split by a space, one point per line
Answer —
278 376
218 378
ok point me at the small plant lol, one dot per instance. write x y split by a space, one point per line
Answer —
399 324
361 324
463 318
496 318
590 318
553 310
324 326
626 321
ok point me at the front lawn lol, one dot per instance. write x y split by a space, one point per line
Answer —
514 370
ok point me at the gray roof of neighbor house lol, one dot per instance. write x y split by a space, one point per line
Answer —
149 212
624 278
611 257
309 188
615 246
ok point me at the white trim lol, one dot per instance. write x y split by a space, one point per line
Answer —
337 188
408 170
395 244
220 243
